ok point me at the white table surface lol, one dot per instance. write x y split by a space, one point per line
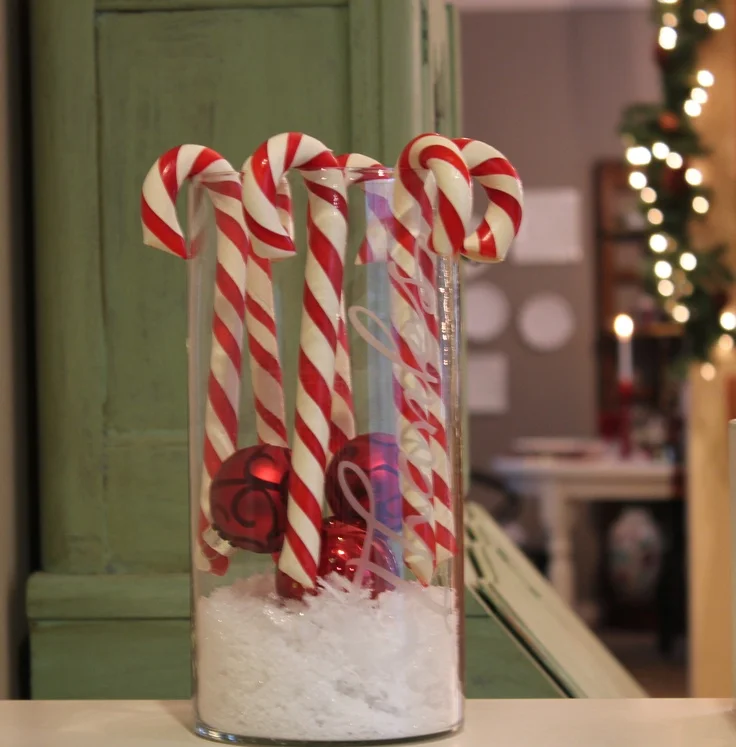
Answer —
505 723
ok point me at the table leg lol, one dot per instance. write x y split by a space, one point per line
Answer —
555 511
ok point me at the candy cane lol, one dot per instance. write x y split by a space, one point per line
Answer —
161 230
343 408
267 378
323 277
409 274
491 240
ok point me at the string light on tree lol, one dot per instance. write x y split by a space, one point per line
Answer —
692 108
663 146
660 150
699 95
638 155
667 37
637 180
700 204
688 261
728 320
700 16
658 242
669 19
708 371
648 195
655 216
694 177
716 21
663 269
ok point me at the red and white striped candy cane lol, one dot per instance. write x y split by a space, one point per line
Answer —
412 281
266 372
323 279
500 224
161 230
343 407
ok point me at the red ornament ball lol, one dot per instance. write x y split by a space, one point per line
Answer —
376 455
248 498
341 544
668 121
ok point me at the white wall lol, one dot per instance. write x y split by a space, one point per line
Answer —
13 532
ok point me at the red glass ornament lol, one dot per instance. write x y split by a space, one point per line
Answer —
248 498
668 121
341 544
377 456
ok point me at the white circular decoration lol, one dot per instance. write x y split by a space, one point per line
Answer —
546 322
486 312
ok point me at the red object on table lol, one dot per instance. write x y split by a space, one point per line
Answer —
625 398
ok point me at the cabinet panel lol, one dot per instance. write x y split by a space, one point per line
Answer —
187 77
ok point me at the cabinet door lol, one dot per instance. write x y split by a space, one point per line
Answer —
115 83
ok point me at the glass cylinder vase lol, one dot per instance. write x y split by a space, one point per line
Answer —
324 470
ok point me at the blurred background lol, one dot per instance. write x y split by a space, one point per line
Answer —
599 364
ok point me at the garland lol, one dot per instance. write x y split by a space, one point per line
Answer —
691 283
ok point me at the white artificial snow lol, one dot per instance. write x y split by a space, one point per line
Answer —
340 667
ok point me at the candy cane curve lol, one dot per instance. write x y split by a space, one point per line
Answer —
318 335
491 240
161 230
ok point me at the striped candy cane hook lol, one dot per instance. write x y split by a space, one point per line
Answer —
491 240
318 336
161 230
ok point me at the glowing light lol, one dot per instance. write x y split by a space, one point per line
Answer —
674 160
692 108
699 95
638 155
667 37
688 261
700 16
708 371
655 216
728 320
669 19
700 204
716 20
666 287
637 180
705 78
660 150
623 326
648 195
680 313
694 177
658 242
662 269
725 343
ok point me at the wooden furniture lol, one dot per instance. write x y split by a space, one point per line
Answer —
569 660
114 84
513 723
143 647
559 483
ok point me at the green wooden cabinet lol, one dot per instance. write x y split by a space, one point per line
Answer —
114 84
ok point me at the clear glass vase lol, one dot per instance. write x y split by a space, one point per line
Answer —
365 644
